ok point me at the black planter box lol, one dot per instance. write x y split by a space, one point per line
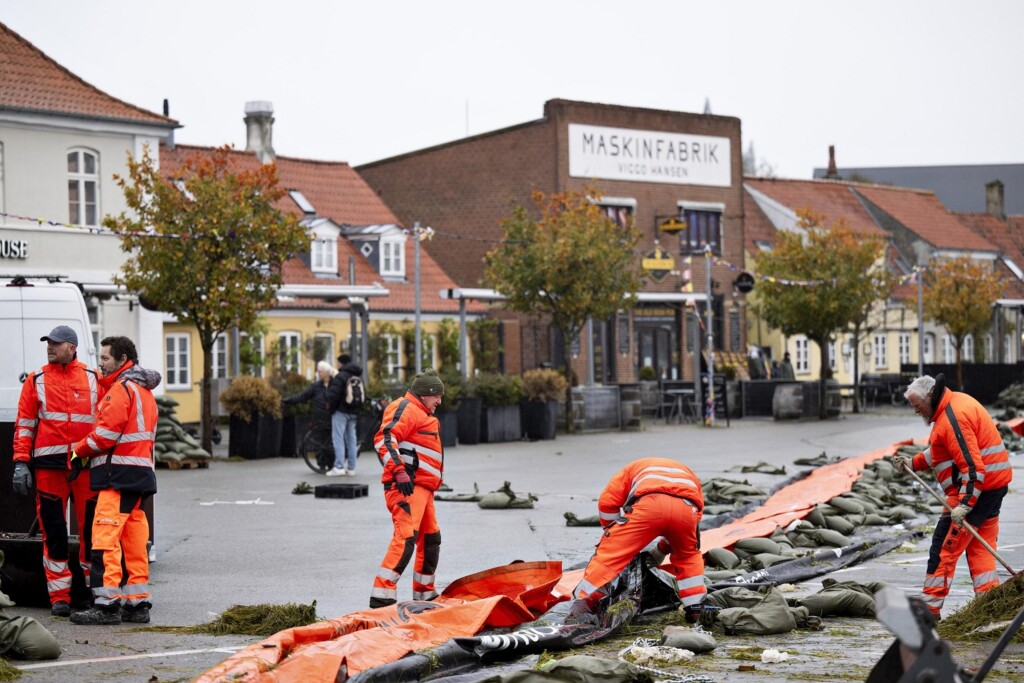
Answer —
501 423
367 426
449 428
290 426
469 420
538 419
260 438
22 576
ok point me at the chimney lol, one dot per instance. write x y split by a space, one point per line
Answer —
832 172
170 134
994 199
259 128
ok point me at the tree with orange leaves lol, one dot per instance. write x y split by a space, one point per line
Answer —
958 295
568 260
206 245
818 280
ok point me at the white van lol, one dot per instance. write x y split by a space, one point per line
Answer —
30 307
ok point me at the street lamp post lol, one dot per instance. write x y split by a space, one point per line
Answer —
709 418
419 332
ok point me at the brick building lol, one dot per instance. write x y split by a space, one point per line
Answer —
651 166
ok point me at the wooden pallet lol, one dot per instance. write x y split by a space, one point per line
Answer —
183 464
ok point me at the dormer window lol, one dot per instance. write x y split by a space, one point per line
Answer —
392 256
324 256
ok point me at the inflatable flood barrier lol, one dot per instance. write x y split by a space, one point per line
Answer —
373 645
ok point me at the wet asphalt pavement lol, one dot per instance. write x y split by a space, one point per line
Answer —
235 534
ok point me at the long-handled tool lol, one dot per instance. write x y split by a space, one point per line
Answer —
971 529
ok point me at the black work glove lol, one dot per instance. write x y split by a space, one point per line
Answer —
22 481
78 463
403 483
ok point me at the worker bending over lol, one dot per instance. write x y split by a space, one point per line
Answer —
647 499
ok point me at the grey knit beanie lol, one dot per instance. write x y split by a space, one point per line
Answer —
427 383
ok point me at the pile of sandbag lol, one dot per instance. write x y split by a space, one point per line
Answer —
173 443
879 498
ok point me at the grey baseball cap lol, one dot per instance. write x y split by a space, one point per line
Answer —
61 333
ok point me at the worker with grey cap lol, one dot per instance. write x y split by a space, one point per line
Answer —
409 447
56 409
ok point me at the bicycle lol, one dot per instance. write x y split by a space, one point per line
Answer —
317 449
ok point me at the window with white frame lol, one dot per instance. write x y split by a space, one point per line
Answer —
392 256
830 349
619 209
428 351
220 356
176 365
948 351
989 346
803 356
1009 352
967 353
881 351
904 347
83 187
392 356
324 255
250 352
323 345
929 348
288 351
703 227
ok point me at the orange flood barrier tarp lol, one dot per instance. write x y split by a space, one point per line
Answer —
499 597
796 500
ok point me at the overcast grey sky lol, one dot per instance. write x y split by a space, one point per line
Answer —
888 82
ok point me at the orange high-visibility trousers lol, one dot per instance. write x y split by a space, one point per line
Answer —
415 530
653 515
948 543
52 493
120 526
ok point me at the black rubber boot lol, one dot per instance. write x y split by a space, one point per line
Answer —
60 609
97 616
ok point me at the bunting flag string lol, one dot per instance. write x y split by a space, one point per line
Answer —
91 229
903 279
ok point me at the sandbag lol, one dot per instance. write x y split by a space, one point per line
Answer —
768 616
721 557
843 599
686 638
840 524
752 546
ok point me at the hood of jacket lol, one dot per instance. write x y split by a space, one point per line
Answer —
352 369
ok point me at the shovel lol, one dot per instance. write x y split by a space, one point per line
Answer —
967 526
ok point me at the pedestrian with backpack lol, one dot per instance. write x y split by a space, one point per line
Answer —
344 403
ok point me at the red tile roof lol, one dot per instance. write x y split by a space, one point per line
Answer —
1007 236
756 226
337 192
833 199
924 215
32 82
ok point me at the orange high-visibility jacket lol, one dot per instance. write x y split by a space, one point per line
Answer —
57 407
410 438
648 475
965 449
121 445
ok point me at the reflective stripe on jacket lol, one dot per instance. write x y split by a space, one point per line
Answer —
121 445
410 437
965 449
644 476
57 407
